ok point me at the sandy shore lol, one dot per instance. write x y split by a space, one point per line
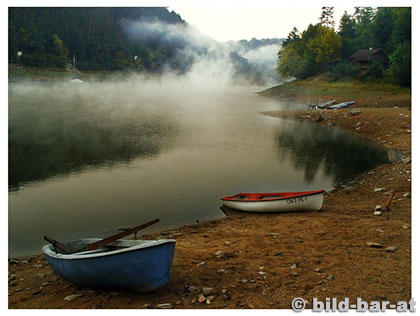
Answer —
266 260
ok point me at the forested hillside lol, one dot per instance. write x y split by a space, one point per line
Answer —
321 50
131 39
50 36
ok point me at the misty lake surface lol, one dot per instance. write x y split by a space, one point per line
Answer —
85 160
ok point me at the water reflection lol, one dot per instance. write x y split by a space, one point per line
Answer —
338 154
53 134
175 148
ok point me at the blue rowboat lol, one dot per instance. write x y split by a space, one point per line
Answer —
136 265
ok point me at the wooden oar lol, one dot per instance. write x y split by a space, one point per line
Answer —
110 239
66 249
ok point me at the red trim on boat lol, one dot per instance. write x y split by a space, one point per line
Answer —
263 197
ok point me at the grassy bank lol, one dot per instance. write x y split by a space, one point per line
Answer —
365 94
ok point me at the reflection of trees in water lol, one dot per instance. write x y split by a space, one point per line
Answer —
46 140
341 155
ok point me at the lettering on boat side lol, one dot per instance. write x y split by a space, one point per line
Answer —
297 200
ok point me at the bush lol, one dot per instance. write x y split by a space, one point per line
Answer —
34 60
353 70
332 76
342 69
375 70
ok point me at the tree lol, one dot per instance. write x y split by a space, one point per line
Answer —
383 28
364 15
13 40
327 18
399 44
402 26
58 51
347 32
292 37
364 27
400 64
287 59
326 46
317 47
291 64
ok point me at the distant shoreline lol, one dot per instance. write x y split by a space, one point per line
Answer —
19 73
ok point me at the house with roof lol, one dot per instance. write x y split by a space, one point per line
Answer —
364 57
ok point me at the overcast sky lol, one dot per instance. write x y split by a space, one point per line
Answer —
225 22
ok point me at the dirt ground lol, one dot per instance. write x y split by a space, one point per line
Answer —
266 260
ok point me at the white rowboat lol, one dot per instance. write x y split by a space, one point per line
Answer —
276 202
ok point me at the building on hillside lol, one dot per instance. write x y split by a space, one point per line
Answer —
364 57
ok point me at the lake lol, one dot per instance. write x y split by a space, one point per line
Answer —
85 160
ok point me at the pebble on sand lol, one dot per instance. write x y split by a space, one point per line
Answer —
374 245
391 249
201 298
207 290
164 306
72 297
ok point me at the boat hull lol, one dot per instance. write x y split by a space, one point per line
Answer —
341 105
312 202
139 269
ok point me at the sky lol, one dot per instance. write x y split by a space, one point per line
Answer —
224 22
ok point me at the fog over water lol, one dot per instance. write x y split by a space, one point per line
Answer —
87 159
